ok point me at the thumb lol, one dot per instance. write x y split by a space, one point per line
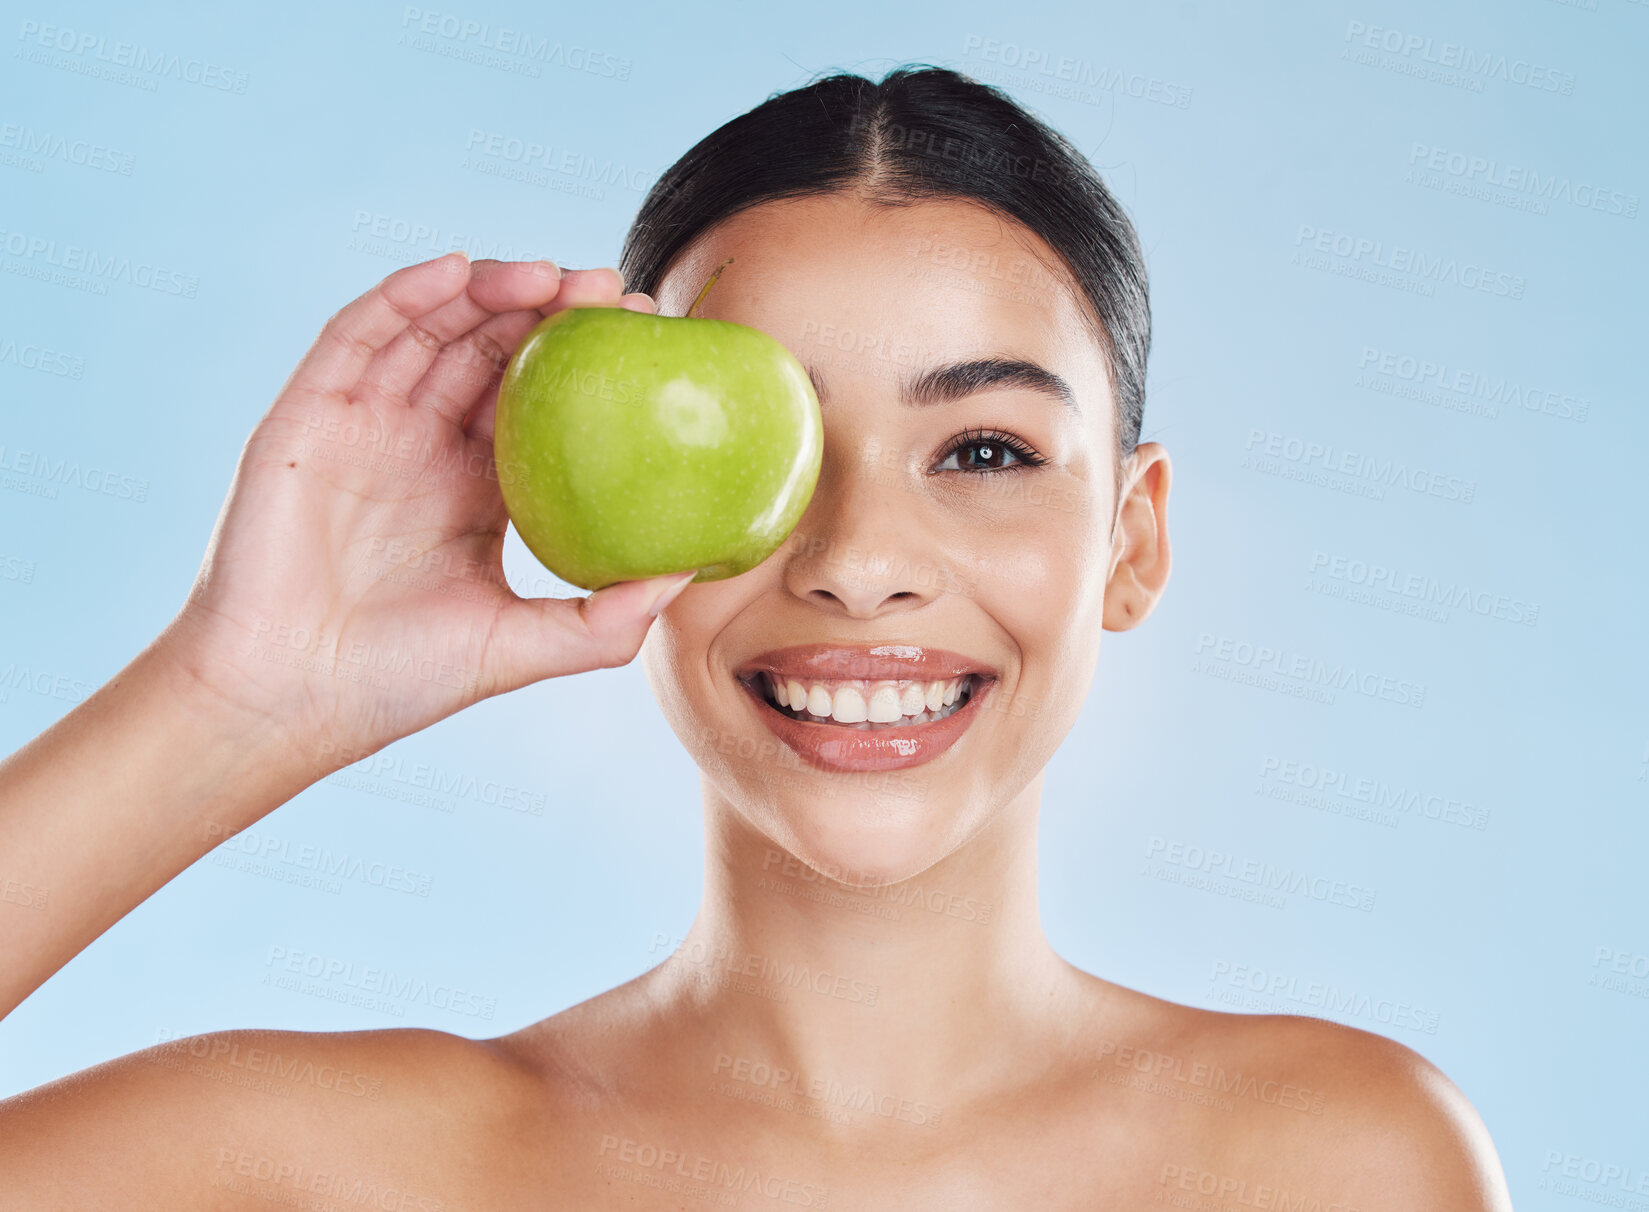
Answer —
541 638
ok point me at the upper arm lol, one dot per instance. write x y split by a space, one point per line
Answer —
1395 1133
1435 1148
243 1116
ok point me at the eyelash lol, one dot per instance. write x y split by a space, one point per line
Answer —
993 437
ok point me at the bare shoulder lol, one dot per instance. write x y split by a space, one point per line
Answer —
1341 1114
269 1116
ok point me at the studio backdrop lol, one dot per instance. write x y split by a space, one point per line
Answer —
1380 756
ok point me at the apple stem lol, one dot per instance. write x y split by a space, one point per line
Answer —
708 285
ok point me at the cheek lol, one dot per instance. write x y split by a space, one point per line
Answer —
680 660
672 657
1040 561
1038 572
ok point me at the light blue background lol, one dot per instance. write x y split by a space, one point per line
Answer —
1496 932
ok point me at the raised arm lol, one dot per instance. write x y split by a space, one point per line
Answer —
352 593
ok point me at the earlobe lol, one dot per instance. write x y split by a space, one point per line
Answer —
1141 559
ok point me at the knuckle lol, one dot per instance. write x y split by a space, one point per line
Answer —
425 337
490 350
337 332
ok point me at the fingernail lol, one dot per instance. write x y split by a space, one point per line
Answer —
669 593
548 269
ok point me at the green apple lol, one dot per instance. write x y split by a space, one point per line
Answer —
630 445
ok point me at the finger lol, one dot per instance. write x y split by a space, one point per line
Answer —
494 286
469 366
352 338
587 288
538 638
640 302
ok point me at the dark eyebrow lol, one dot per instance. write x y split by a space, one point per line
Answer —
943 384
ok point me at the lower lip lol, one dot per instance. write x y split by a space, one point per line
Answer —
851 750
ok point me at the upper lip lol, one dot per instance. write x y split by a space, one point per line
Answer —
867 662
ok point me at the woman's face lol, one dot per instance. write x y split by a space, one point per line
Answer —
967 512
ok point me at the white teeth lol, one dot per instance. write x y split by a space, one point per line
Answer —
884 704
849 706
866 704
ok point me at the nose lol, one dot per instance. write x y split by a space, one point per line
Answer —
860 549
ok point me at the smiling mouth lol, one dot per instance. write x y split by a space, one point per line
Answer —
864 706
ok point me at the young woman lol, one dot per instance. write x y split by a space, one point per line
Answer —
865 1013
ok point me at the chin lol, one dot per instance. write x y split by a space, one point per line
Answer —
861 831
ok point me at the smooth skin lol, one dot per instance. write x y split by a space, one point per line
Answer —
876 937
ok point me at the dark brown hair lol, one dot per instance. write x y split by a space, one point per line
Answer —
922 132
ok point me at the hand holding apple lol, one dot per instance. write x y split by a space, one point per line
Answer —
352 591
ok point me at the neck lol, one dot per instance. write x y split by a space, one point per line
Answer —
914 987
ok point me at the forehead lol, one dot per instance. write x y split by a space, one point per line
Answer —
854 286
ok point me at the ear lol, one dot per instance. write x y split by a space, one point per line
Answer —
1139 539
